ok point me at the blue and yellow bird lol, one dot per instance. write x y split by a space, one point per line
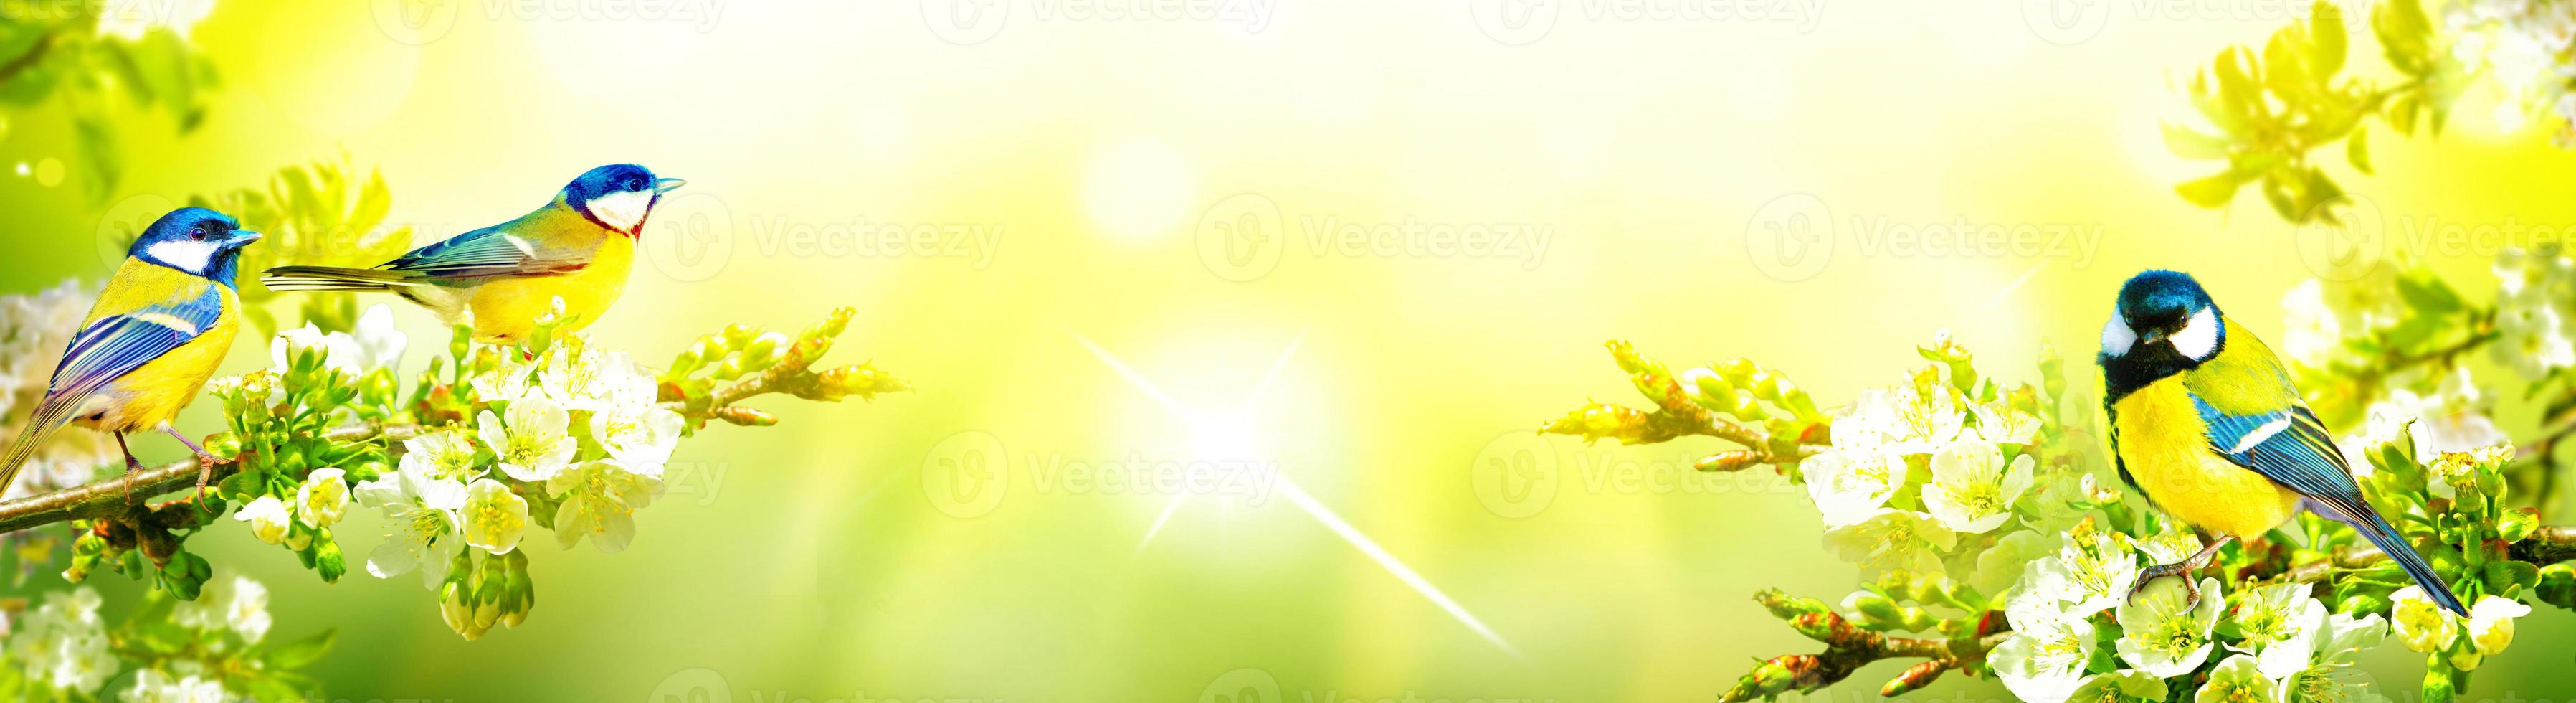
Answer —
2206 422
159 328
577 247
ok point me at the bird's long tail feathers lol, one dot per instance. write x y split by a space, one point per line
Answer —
50 416
324 278
2386 538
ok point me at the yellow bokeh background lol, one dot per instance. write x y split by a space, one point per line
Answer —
825 562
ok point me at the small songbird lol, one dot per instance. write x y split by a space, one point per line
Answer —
577 247
159 328
2205 421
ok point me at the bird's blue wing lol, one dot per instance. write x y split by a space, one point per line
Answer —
2292 448
115 345
484 253
2289 446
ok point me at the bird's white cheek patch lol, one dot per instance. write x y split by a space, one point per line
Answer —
2198 338
622 211
2117 338
187 255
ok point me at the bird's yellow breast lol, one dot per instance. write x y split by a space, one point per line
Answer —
2165 447
506 310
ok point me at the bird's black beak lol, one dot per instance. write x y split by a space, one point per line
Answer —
241 238
2152 336
665 185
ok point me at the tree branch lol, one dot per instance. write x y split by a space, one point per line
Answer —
128 493
1848 648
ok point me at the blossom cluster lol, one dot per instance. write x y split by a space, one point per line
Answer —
2529 46
1992 537
214 648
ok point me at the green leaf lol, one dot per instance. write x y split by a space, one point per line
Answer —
2325 34
301 652
2210 192
2356 149
2430 294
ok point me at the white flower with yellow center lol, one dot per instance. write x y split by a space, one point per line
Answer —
2421 623
2164 636
2336 677
510 380
2003 424
1893 541
641 437
443 454
2491 623
590 380
228 601
1849 487
1972 489
2044 658
2240 680
533 445
2092 570
323 498
494 518
599 502
267 517
2280 625
421 524
1928 414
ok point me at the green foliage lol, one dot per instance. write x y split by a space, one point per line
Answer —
61 58
321 214
2270 110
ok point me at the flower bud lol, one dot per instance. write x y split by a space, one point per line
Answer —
2558 585
1915 678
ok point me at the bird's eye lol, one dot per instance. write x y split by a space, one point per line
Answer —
634 184
198 234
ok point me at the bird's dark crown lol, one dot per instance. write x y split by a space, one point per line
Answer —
612 178
2159 300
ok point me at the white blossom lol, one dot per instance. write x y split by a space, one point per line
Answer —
1893 541
2422 624
421 523
2044 658
323 498
2280 625
599 502
2164 636
494 518
1972 488
534 443
267 517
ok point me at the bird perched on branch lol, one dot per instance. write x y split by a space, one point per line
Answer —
2205 421
578 248
160 327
